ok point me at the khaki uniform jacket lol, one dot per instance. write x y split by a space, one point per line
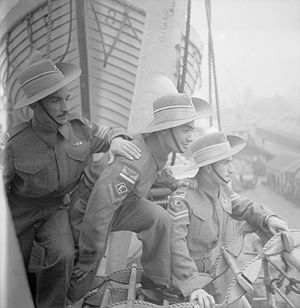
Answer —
121 183
199 221
46 164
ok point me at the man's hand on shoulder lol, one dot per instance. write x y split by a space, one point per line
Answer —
200 298
276 224
123 147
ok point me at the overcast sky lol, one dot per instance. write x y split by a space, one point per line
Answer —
257 46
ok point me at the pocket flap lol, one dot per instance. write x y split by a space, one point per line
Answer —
79 151
29 167
203 211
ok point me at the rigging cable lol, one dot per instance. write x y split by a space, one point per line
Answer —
181 79
49 25
69 33
181 85
212 63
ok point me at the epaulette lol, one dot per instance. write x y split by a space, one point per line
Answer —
180 193
76 116
14 131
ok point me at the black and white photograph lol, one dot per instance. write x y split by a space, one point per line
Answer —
150 153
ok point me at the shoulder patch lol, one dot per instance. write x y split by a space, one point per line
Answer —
122 183
177 207
129 175
77 116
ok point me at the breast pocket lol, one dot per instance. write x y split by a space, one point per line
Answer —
35 177
78 157
80 151
200 222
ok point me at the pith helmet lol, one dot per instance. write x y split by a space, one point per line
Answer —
42 77
176 109
213 147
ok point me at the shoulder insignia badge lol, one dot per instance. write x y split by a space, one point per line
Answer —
176 203
177 209
122 184
78 143
129 175
121 188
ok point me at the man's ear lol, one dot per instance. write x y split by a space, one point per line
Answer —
33 106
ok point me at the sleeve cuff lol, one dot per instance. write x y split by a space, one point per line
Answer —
195 282
117 132
265 222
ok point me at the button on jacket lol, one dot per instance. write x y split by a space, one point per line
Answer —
200 215
43 163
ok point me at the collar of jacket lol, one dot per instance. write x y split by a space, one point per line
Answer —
199 203
208 186
47 134
156 150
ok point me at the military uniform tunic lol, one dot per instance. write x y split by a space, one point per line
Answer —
200 215
117 202
41 166
44 163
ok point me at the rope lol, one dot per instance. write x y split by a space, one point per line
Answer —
29 30
181 80
120 30
69 34
49 25
212 63
140 303
4 83
186 48
261 255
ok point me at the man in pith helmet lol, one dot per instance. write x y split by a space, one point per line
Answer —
112 197
200 212
43 161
